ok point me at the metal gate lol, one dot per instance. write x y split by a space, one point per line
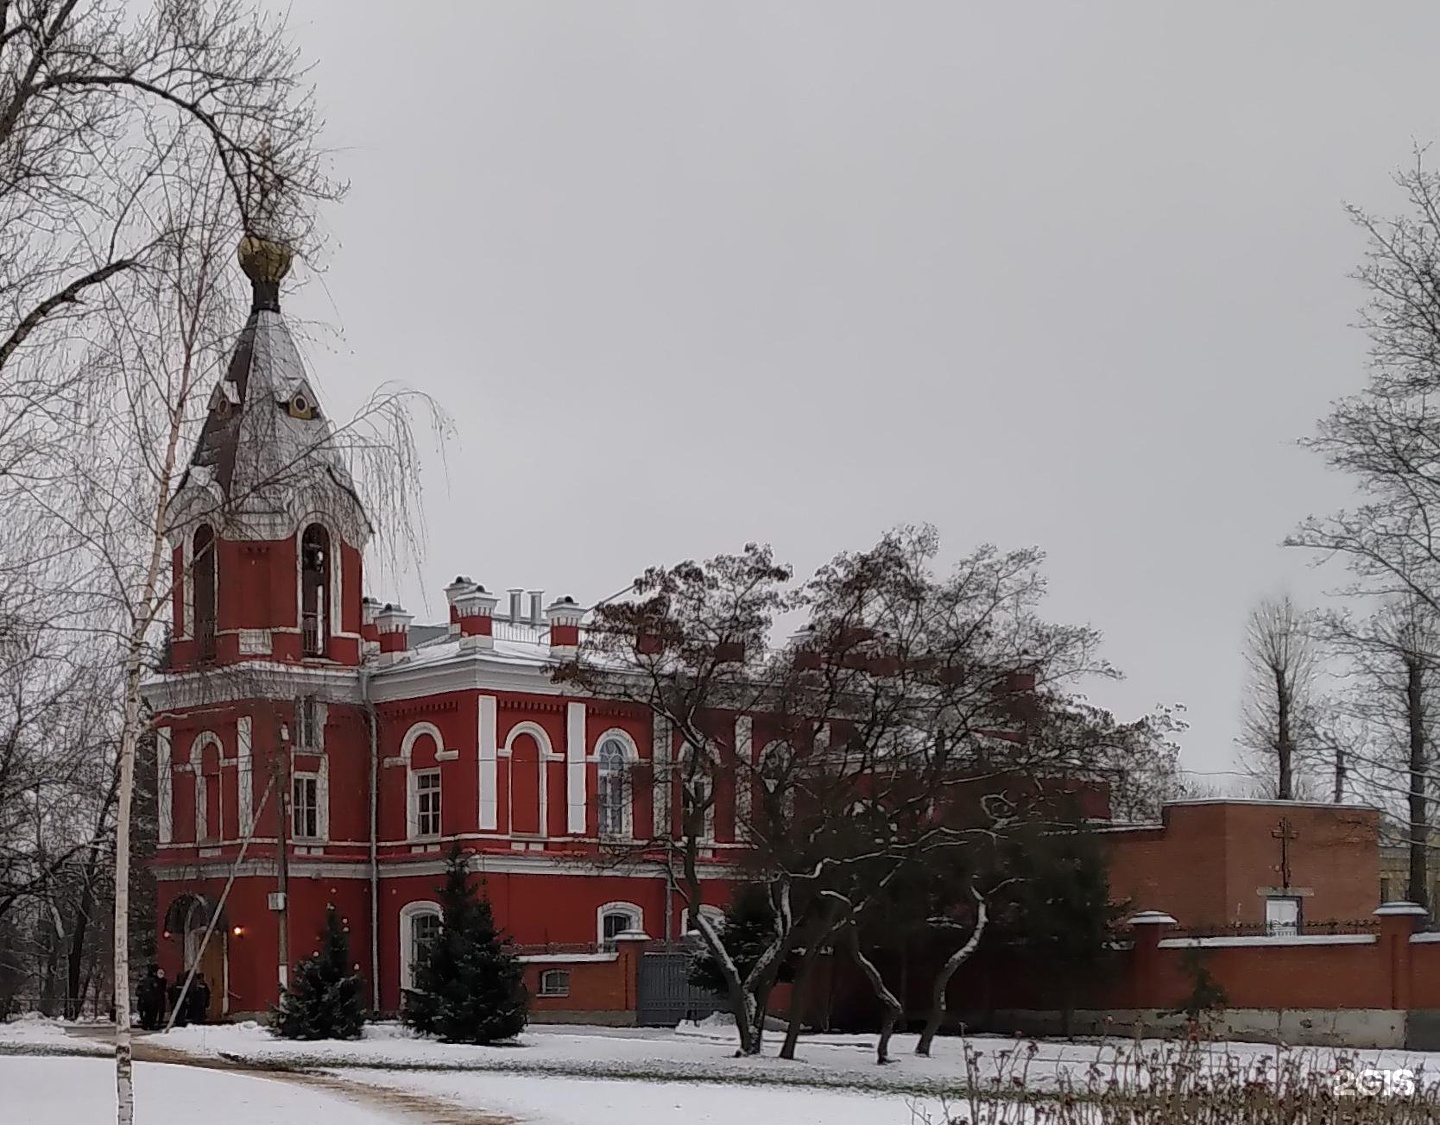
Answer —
665 995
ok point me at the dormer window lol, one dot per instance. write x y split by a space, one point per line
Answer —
301 407
202 562
315 590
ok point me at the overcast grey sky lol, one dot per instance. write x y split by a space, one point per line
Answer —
689 274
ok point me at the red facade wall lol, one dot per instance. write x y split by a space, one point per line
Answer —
1210 861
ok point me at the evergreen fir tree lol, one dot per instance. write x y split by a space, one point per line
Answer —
469 986
327 1000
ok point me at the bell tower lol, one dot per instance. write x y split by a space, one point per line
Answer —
267 530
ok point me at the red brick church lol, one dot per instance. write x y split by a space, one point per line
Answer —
315 747
299 717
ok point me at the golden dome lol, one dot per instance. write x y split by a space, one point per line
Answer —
264 261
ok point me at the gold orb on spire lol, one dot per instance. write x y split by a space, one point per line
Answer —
264 260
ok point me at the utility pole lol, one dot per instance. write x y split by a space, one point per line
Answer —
282 863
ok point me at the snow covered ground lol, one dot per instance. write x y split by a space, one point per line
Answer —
65 1091
706 1054
569 1075
556 1100
40 1036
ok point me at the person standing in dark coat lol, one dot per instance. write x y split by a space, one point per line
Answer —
199 999
150 998
174 998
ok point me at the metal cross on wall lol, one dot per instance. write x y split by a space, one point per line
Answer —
1285 834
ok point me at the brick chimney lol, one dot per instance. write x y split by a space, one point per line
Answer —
475 612
517 595
564 617
394 625
369 633
453 593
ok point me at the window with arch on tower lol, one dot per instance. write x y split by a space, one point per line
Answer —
612 792
203 580
315 610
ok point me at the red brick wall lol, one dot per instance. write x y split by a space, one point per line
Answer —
1208 863
601 987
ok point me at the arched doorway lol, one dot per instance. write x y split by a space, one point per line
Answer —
186 920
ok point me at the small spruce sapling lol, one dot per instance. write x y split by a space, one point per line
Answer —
469 986
327 1000
1206 994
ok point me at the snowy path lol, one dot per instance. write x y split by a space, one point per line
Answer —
51 1090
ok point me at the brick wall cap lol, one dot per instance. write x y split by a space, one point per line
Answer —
631 935
1400 909
1151 918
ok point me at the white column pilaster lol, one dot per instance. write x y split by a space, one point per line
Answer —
489 819
575 796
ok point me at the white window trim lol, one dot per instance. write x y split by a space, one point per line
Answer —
631 755
408 913
412 803
561 992
542 740
636 913
707 828
714 915
322 819
661 744
334 614
322 716
164 787
202 787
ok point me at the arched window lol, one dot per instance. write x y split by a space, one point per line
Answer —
315 610
420 924
555 982
612 791
616 918
715 916
203 573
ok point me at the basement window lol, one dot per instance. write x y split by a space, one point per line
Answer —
555 982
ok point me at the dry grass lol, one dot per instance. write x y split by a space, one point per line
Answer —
1145 1083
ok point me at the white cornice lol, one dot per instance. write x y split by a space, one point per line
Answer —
251 679
466 671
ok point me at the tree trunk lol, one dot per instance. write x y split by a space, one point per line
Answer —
888 1000
1284 739
75 989
798 990
124 1087
942 980
1419 833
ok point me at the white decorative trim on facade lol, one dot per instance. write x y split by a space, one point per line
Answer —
636 915
244 782
660 745
408 913
407 744
255 642
631 754
575 768
164 787
202 796
546 752
489 804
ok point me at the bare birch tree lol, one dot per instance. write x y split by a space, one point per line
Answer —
1386 438
1385 715
1279 712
